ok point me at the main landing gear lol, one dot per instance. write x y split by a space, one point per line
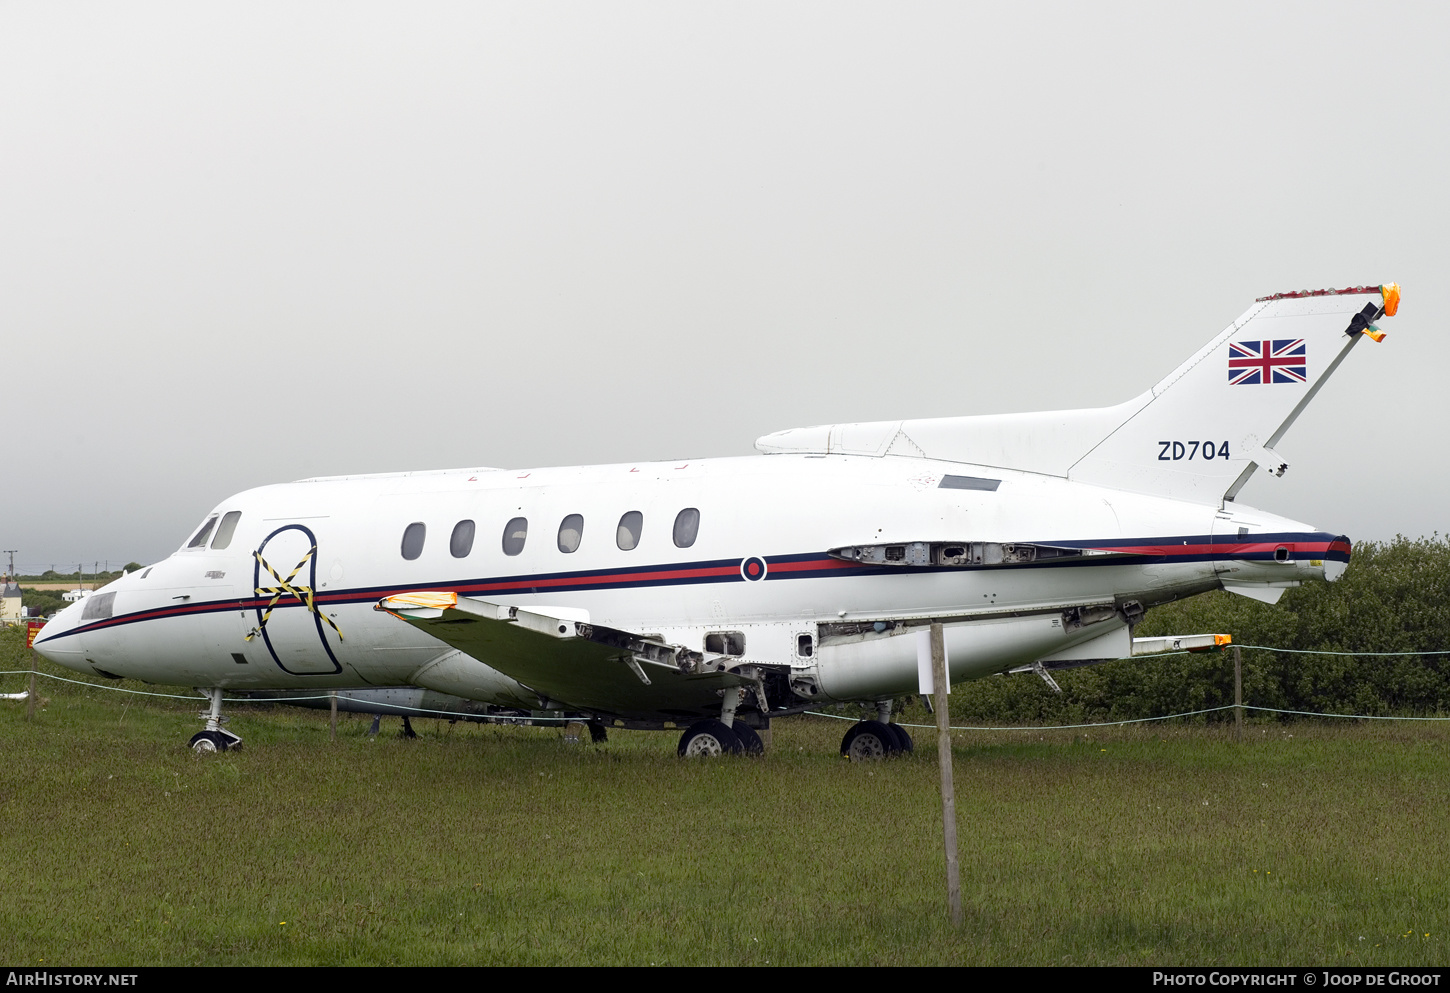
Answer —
727 736
215 738
707 739
711 737
870 740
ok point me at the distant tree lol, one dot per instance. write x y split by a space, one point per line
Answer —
42 601
131 567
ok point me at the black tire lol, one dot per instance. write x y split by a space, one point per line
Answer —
749 740
903 739
707 739
868 741
206 742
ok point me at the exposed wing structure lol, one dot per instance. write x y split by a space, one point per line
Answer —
977 554
565 659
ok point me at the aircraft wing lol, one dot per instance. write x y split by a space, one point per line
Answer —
570 662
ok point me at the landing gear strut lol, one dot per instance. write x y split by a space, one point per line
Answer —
215 738
407 731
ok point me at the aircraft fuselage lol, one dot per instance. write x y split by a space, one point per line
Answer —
764 573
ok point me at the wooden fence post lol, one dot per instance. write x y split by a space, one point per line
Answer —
940 686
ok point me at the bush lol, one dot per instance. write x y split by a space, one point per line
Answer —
1391 599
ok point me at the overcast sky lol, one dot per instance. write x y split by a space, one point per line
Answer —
246 243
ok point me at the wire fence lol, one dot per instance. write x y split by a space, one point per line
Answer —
342 695
1145 720
423 711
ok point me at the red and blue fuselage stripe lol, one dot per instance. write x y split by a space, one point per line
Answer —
813 565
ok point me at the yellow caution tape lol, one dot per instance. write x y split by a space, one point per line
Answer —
285 587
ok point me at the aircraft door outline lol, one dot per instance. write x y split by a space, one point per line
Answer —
304 594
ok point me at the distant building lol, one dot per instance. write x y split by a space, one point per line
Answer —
10 609
71 596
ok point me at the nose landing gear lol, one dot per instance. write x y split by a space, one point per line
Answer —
215 738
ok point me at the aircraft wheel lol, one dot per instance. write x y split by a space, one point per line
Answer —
708 739
903 739
749 740
868 741
205 742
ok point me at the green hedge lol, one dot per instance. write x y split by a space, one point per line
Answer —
1391 599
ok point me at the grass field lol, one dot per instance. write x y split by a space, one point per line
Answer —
1306 844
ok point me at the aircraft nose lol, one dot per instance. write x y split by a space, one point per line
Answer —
58 642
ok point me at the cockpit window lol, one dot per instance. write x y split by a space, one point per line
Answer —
199 539
413 540
226 529
98 606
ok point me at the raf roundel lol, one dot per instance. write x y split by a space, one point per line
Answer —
753 568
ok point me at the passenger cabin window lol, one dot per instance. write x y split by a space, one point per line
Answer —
629 527
687 527
225 530
199 539
515 533
571 530
462 541
413 537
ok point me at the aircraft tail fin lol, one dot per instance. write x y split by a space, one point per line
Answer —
1216 418
1198 435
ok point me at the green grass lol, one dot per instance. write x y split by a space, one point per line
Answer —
1307 843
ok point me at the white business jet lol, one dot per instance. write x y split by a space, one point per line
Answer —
715 594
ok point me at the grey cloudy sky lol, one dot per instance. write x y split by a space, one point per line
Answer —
244 243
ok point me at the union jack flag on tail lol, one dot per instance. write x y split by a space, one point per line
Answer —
1264 363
